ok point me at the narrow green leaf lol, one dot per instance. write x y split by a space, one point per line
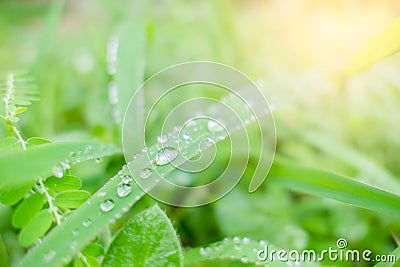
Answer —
382 45
11 194
41 160
36 228
27 209
396 254
71 199
334 186
149 239
244 250
78 262
4 260
67 182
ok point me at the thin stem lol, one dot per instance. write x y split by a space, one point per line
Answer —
49 198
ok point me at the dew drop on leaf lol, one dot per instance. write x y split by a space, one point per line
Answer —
166 155
126 179
124 190
214 127
146 173
58 171
162 138
49 256
187 137
75 232
107 205
87 223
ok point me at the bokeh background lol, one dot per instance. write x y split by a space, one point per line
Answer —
296 51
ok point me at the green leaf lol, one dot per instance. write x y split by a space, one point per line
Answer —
9 142
149 239
20 110
370 171
11 194
244 250
334 186
41 160
4 259
92 261
395 253
27 209
67 182
36 228
382 45
93 249
34 141
71 199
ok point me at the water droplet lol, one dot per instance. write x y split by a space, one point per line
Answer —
244 259
101 194
166 155
75 232
246 240
214 126
263 243
49 255
58 171
124 190
98 160
126 179
207 143
205 251
162 138
236 239
87 223
187 137
107 205
146 173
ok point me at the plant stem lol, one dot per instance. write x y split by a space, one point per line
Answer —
49 198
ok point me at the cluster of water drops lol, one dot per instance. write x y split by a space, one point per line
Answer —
88 153
236 248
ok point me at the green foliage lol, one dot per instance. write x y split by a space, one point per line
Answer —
58 205
149 239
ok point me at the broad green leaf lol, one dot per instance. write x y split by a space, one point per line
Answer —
244 250
382 45
11 194
36 228
41 160
334 186
9 142
71 199
67 182
27 209
149 239
34 141
93 249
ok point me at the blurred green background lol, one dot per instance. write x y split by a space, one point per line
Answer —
297 53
